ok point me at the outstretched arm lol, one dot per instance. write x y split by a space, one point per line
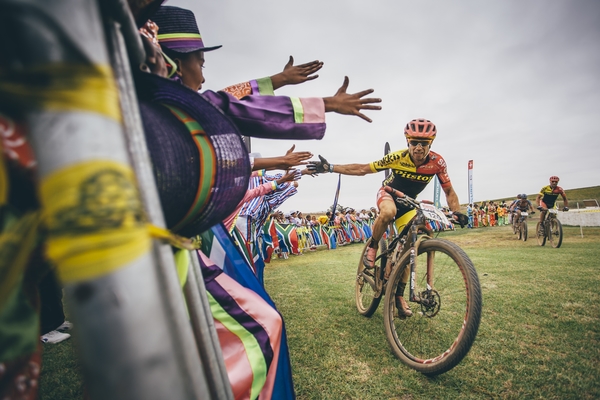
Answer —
323 166
351 104
289 160
289 176
295 74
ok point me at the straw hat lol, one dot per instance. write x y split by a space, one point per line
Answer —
199 159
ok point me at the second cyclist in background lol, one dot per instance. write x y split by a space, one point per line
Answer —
520 205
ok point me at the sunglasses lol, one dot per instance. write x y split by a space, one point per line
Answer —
423 143
553 181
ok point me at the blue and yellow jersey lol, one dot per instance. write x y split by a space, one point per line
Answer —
406 177
549 195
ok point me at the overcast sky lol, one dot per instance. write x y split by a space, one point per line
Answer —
513 85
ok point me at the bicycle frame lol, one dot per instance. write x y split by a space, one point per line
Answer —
397 248
552 213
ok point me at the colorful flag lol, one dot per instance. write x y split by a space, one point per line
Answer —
288 238
436 192
218 245
470 172
337 195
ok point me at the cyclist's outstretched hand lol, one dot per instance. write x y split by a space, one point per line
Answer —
319 167
351 104
461 218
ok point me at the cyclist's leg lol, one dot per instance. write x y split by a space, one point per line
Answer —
542 212
387 212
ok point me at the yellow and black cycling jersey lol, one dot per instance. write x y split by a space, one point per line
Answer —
549 195
406 177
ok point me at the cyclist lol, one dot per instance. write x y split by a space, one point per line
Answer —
522 204
511 209
412 169
548 195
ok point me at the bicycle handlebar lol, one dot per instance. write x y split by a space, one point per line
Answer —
400 197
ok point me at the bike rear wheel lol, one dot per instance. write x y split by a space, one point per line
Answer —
540 232
368 287
439 334
555 235
524 231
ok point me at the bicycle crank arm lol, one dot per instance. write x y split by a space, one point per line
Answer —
369 280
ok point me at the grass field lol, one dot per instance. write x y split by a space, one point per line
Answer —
539 336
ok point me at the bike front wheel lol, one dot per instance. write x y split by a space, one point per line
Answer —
540 233
524 231
555 236
369 286
446 315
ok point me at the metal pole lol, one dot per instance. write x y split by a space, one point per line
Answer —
138 151
580 220
128 347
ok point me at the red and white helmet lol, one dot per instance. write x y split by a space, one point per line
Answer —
420 129
554 178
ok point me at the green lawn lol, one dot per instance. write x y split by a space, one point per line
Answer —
539 335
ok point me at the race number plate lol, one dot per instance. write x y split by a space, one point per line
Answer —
524 213
436 219
553 211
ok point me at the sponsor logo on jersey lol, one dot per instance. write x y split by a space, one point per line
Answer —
388 159
413 176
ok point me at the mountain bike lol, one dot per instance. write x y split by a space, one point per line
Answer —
444 286
520 226
550 229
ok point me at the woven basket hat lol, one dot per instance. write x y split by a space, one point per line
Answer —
199 159
178 30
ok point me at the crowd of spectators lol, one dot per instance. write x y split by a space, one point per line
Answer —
488 213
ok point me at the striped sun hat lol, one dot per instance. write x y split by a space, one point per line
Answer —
178 30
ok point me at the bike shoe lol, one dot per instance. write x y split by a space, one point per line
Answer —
369 258
403 308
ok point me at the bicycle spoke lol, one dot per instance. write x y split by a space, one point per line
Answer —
436 330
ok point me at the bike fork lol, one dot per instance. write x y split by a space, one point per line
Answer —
413 257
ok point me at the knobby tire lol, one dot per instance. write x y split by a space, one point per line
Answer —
541 237
556 234
524 231
433 343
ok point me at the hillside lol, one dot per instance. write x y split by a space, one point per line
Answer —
574 195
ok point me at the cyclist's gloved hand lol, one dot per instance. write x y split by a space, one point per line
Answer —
540 208
319 167
462 219
565 208
533 212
